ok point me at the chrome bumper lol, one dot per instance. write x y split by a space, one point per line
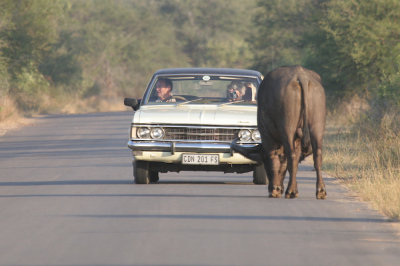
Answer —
184 147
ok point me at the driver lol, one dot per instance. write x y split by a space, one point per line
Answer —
164 88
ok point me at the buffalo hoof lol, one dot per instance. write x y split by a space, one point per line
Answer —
291 194
321 193
276 192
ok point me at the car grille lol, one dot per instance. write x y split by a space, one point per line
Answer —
209 134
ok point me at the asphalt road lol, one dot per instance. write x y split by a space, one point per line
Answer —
67 198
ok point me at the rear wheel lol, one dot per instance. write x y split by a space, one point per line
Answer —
259 175
141 172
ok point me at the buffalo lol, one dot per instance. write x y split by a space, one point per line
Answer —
291 120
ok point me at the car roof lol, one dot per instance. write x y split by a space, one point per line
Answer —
210 71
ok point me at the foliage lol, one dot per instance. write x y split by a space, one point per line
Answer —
30 33
121 44
363 41
281 27
388 93
354 45
4 24
4 85
109 48
213 33
26 39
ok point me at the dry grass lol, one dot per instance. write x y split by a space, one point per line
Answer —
12 118
7 108
94 104
365 155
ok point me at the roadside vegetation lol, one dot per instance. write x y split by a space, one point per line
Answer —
362 149
69 56
79 56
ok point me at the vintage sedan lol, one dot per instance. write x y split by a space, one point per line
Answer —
188 118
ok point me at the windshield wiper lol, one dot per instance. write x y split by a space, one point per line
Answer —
195 100
222 104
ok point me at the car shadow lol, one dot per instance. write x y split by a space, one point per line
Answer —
196 182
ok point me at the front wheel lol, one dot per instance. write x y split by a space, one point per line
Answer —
259 175
141 172
153 175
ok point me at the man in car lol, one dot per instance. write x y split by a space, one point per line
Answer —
164 88
233 93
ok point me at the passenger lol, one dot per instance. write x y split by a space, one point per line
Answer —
249 92
164 94
233 93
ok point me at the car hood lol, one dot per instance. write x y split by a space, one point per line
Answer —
226 115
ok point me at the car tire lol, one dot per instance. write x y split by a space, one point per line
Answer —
153 175
141 172
259 175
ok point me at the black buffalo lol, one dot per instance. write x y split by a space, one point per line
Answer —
291 120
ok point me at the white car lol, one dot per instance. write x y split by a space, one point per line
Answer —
192 131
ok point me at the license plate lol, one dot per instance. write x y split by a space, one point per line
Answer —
200 159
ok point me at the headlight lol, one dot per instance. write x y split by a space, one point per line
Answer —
256 135
143 133
157 133
244 135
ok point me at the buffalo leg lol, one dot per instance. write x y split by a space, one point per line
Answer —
268 169
317 156
276 190
293 154
283 167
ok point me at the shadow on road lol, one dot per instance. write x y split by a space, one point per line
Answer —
116 182
232 217
66 182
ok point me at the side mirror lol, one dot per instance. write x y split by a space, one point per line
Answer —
134 103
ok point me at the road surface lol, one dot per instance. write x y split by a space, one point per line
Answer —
67 198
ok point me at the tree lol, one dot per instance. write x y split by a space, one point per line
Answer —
26 40
119 44
213 33
5 14
353 45
32 31
358 44
109 48
281 29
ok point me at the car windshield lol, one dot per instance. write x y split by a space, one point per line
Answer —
202 89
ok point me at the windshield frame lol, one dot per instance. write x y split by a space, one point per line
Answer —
256 80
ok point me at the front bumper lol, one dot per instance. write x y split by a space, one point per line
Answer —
173 147
171 152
